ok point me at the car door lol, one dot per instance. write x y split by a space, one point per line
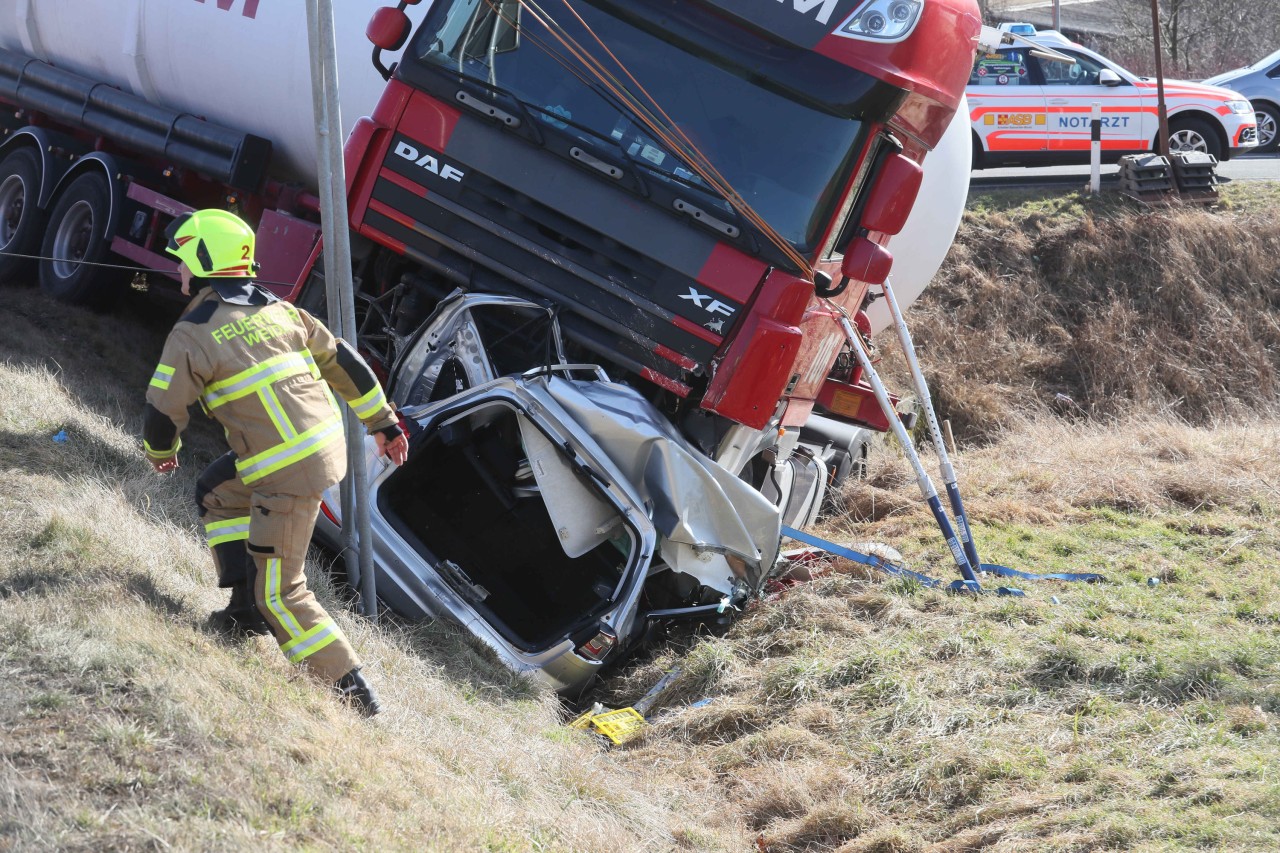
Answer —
1071 90
1006 105
472 339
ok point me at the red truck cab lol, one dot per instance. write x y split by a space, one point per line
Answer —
508 155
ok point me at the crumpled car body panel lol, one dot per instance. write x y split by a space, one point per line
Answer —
586 470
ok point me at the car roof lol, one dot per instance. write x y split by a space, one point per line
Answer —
1052 37
1265 62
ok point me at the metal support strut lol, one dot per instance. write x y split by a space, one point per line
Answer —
970 582
951 484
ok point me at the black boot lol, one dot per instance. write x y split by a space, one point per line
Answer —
353 689
240 618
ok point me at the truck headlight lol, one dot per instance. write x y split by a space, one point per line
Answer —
1240 108
883 20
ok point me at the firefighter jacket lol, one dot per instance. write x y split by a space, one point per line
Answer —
263 368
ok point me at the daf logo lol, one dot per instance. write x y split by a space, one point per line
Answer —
429 162
825 8
711 306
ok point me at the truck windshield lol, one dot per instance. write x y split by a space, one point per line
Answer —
788 159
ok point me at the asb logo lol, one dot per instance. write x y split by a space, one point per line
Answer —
1013 119
429 162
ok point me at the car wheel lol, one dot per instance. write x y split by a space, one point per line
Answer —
976 161
75 242
21 219
1268 127
1193 134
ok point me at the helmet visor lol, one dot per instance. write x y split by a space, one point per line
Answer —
171 233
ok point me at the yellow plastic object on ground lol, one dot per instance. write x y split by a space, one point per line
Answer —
582 722
618 726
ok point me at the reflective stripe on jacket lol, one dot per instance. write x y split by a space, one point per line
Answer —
264 371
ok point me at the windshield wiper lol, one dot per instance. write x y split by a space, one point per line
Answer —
509 110
602 145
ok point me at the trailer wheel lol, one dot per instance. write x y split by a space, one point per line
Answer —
74 241
21 218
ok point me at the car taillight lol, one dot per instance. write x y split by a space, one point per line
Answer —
599 646
328 513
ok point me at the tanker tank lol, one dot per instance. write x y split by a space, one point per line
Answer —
239 63
244 64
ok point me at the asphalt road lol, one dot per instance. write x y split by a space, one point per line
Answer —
1251 167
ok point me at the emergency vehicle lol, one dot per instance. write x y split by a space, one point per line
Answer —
1031 108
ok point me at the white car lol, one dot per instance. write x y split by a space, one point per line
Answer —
1028 108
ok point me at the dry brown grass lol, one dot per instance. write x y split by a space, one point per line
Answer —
852 714
1120 310
125 724
876 716
1048 470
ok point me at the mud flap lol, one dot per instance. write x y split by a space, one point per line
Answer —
797 486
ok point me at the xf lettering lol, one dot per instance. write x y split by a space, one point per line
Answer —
708 303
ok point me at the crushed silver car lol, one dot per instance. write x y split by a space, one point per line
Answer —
552 513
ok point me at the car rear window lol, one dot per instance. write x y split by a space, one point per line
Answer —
1000 68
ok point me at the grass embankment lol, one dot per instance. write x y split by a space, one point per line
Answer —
125 724
852 714
1078 306
862 714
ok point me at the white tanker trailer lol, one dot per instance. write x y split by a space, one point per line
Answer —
240 64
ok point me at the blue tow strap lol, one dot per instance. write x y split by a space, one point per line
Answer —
849 554
888 568
1006 572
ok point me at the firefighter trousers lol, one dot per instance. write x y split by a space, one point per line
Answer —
259 539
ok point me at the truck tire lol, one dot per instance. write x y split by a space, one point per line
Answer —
21 219
1268 126
1194 134
74 235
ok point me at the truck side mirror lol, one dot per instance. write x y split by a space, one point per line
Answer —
1107 77
866 261
388 29
893 195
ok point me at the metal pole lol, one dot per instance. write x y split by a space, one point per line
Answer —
332 285
339 291
1057 14
1095 148
908 449
951 484
1163 147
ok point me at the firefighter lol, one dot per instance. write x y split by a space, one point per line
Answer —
264 369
